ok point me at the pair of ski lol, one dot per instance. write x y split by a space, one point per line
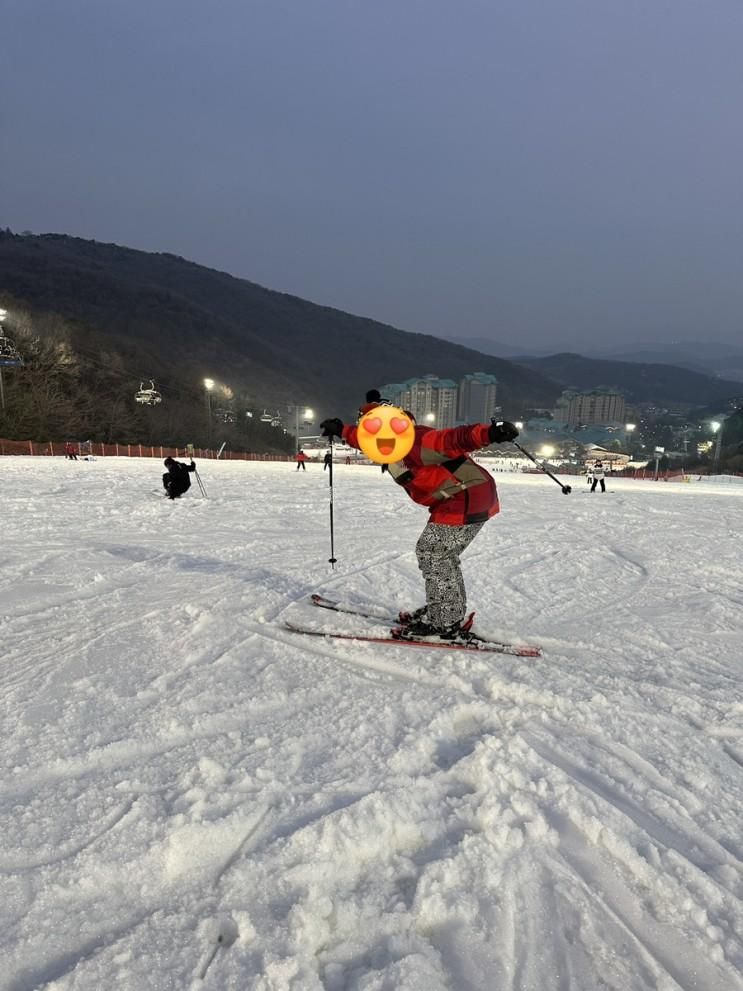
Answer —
477 645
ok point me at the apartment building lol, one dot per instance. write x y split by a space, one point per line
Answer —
443 403
430 399
594 406
477 398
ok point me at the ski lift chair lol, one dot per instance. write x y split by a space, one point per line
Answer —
9 353
148 397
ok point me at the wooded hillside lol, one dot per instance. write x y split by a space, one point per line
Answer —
106 317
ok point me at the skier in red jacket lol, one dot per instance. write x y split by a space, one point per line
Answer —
460 496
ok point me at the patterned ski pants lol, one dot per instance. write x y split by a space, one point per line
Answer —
438 550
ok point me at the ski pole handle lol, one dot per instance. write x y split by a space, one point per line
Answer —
566 489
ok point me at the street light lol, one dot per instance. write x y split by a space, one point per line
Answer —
547 450
430 417
208 386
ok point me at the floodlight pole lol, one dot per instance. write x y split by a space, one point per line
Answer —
718 449
208 386
658 452
307 415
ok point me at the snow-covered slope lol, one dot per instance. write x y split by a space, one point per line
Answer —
193 797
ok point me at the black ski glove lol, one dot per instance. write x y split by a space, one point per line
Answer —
332 427
501 431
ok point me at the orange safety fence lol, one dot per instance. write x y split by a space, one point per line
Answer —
99 450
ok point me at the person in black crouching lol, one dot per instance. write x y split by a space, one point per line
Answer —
175 479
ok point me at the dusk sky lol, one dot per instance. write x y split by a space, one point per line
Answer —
549 173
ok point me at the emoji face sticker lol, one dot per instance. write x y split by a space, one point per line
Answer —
386 434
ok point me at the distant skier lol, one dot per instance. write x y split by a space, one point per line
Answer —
70 452
327 460
598 476
175 479
460 496
589 476
301 458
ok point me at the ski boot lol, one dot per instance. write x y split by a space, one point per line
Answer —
404 618
421 629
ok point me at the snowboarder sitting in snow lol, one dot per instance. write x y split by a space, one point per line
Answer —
175 479
460 496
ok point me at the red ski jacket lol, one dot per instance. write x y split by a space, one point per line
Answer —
438 473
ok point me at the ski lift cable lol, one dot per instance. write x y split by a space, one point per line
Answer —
93 358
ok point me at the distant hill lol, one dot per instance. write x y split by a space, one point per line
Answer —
655 357
166 318
640 382
485 345
710 358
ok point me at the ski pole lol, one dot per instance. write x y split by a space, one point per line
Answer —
566 489
332 559
201 484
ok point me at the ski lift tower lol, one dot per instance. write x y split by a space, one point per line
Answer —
9 356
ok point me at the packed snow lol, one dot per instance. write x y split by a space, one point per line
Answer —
194 797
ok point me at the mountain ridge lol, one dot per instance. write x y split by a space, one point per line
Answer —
131 315
277 345
640 382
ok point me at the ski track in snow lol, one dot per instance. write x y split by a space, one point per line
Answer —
193 797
